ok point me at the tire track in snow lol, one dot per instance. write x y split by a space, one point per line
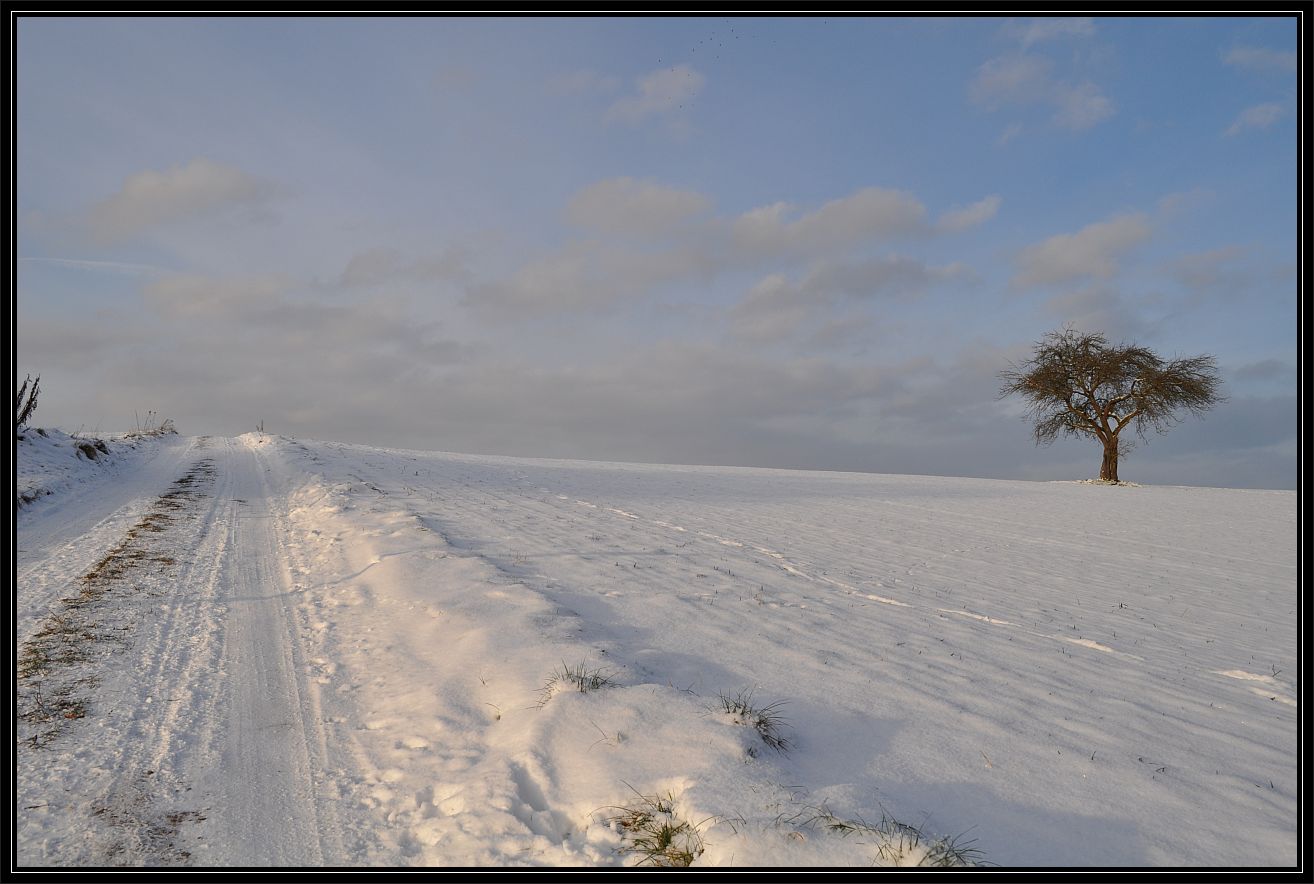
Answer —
127 776
147 803
272 747
222 750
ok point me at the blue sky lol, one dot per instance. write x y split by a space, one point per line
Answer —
796 242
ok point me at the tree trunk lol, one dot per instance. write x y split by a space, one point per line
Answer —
1109 465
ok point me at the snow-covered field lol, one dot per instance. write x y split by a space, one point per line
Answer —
262 651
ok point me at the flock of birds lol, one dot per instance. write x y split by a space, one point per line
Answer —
720 43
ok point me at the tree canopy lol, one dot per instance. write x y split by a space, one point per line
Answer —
1078 384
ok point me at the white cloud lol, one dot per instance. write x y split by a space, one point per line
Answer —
1043 29
372 266
1011 79
1261 116
1264 370
1220 272
382 265
1022 80
150 199
892 276
624 205
1257 58
660 92
1009 133
772 310
1093 251
1100 309
270 320
869 213
563 281
1081 106
581 276
1184 201
775 308
673 239
978 213
184 296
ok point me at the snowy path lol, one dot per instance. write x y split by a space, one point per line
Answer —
269 735
208 752
342 655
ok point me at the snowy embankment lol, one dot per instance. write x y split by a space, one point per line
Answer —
52 461
375 657
73 498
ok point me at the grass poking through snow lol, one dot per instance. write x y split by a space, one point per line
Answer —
651 829
580 679
895 843
766 720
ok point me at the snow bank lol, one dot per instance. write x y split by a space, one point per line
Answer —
1028 669
49 461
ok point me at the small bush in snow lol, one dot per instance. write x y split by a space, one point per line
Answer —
92 450
766 720
154 425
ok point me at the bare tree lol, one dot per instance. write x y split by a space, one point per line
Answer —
1078 385
23 410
